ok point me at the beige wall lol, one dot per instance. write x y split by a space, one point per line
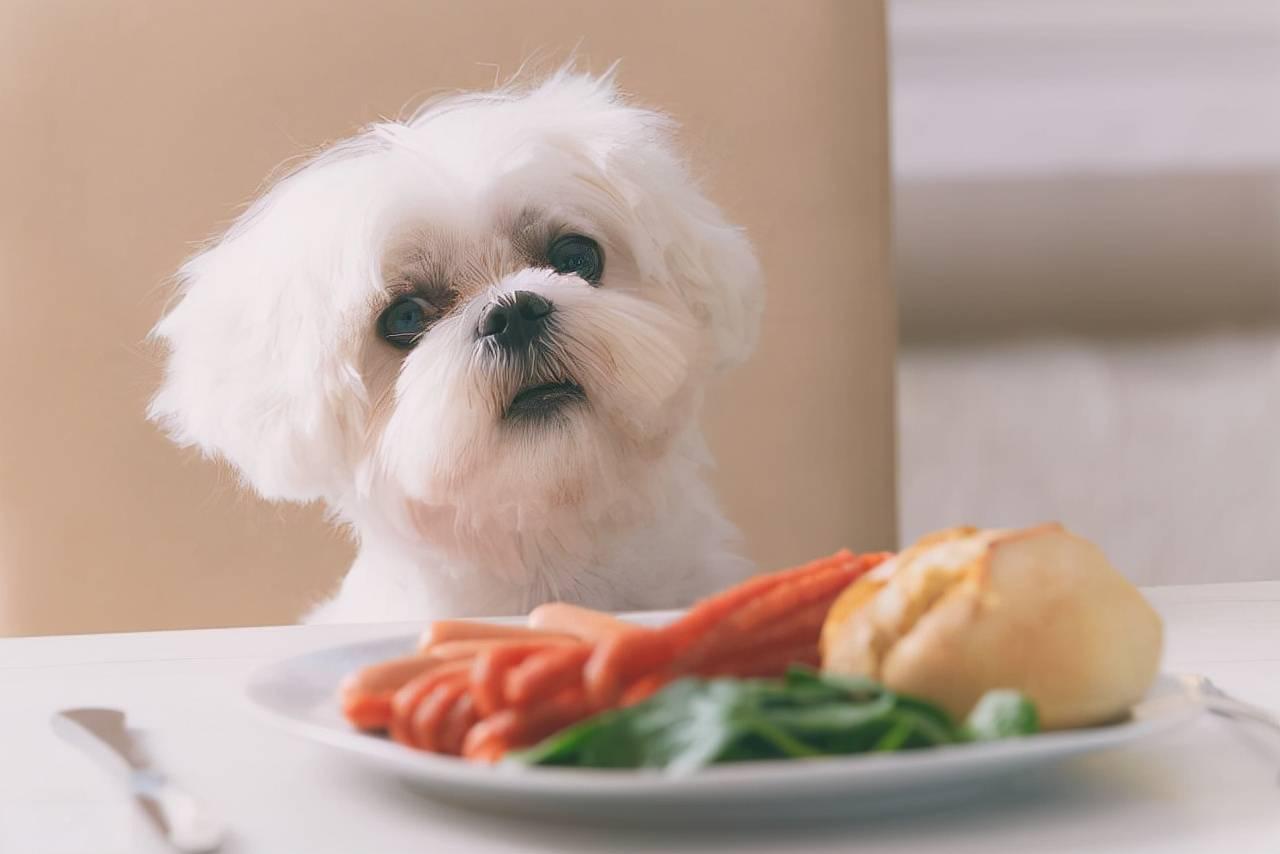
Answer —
133 129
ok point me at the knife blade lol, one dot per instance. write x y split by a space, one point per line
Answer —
102 735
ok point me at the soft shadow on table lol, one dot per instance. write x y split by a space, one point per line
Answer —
1080 788
1263 742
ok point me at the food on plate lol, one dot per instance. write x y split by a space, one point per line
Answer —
968 635
696 722
367 694
514 688
576 621
445 631
965 611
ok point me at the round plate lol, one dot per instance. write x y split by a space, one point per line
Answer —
300 694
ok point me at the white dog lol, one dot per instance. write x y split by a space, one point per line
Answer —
482 337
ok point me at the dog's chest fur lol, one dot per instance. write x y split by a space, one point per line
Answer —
674 548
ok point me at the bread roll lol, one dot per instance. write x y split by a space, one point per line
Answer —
964 611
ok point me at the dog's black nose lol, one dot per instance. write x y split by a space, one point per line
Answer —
515 320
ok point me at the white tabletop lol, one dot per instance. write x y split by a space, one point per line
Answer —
1211 786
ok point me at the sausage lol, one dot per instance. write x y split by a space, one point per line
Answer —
366 694
386 676
451 650
582 623
446 631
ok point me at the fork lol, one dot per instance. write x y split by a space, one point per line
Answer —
1219 702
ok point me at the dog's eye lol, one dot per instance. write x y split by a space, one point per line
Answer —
402 322
575 255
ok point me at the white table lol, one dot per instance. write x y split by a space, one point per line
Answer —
1212 786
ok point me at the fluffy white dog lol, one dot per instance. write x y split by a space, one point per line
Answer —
482 337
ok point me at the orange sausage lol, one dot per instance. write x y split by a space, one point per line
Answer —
705 615
546 673
427 721
445 631
492 737
449 650
823 586
489 674
386 675
799 625
405 700
808 596
618 661
582 623
369 712
366 694
461 718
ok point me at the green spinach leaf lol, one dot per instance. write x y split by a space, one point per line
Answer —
696 722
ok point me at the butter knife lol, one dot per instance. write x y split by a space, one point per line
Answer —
102 735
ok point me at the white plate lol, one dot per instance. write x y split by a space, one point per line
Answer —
299 694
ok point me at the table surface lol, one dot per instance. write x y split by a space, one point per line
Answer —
1213 785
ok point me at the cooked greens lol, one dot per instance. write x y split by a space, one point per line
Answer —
696 722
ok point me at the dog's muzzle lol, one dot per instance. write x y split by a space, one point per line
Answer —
516 324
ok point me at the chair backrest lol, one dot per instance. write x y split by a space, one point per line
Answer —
134 129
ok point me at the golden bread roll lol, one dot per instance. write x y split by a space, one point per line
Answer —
965 611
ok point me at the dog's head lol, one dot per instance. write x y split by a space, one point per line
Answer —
512 299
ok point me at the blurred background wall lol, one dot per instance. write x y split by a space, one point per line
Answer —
1088 266
133 129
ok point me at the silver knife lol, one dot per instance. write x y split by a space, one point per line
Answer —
101 733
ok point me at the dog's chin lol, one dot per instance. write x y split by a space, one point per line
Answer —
543 402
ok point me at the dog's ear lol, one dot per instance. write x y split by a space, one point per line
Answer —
263 338
707 260
714 267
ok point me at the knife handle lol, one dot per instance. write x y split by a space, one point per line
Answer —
184 823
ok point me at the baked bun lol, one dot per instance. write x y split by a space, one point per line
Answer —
965 611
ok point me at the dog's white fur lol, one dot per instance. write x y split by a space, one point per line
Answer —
275 364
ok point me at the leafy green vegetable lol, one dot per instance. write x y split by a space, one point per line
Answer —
1001 714
697 722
